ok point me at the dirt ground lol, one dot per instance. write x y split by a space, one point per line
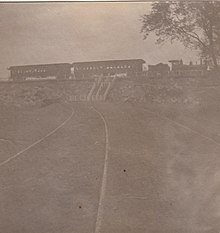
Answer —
162 168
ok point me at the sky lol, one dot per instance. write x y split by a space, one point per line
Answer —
33 33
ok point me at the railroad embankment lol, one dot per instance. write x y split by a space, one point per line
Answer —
41 93
183 91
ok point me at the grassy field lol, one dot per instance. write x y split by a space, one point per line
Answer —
53 186
162 170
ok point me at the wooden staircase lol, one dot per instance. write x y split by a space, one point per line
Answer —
101 88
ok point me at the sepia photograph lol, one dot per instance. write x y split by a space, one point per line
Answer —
110 117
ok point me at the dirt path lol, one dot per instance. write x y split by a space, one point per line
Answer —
38 141
100 211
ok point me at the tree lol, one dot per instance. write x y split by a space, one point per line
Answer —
195 24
